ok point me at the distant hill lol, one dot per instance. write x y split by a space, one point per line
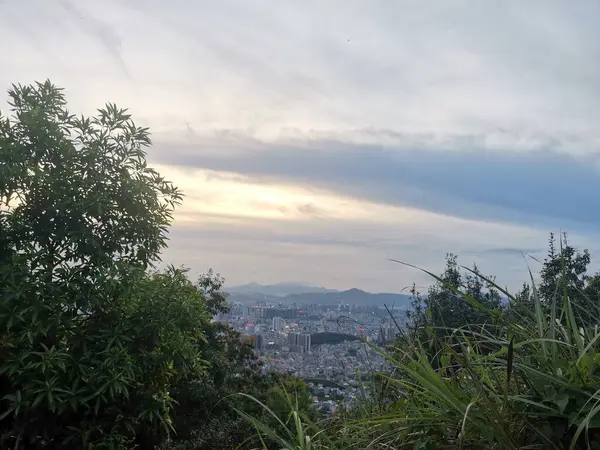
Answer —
351 297
275 290
301 294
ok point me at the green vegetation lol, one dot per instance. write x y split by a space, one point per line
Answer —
98 349
473 373
331 338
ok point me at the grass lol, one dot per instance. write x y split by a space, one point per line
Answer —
524 379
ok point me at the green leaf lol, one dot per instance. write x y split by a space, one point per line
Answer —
561 399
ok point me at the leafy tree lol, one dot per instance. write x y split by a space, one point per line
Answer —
435 318
205 417
443 308
96 351
211 285
591 294
564 271
522 304
90 344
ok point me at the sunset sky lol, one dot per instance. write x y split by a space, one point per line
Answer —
315 140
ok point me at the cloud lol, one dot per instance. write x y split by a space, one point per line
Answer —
310 209
511 251
543 188
102 31
342 253
456 67
314 139
347 244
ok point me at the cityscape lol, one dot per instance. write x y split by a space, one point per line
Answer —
334 347
338 225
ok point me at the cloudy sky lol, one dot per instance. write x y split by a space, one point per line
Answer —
316 139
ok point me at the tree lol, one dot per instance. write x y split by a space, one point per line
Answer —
211 285
522 304
437 316
96 349
443 308
90 343
564 271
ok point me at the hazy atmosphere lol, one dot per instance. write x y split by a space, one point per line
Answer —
314 140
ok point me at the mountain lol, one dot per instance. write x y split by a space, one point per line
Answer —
275 290
302 294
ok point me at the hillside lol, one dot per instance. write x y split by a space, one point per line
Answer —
349 297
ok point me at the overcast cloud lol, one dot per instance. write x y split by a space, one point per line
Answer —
314 139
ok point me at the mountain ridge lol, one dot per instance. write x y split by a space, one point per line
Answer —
255 292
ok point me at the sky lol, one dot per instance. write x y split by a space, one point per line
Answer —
316 140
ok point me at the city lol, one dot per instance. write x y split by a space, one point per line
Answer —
334 347
340 225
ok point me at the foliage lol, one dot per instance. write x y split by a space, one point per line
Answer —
210 410
532 380
288 390
457 301
444 308
565 269
96 350
298 430
204 417
331 338
90 343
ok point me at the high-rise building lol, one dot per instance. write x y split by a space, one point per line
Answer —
258 311
293 339
277 323
299 342
387 333
260 342
306 342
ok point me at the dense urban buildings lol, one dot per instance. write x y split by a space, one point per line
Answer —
330 346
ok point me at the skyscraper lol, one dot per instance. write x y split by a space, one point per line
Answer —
260 342
299 342
306 342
